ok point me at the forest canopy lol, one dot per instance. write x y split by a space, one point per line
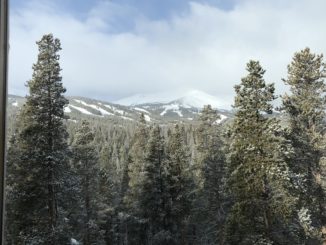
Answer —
259 178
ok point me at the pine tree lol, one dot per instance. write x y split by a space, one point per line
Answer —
258 176
177 185
107 218
152 200
41 169
305 108
210 162
137 163
86 167
13 156
135 170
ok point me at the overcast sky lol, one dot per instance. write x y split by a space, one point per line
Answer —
113 49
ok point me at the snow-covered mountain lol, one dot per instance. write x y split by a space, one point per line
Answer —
139 99
194 98
199 99
174 106
157 109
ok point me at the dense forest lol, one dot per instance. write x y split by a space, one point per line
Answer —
258 179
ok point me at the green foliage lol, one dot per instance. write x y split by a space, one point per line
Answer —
178 185
209 209
258 176
190 183
152 190
137 164
86 168
305 108
39 182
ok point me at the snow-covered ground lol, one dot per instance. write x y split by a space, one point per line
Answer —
127 118
121 112
67 109
174 108
222 118
141 110
96 107
147 118
82 110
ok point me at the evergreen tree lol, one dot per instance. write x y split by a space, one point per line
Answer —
305 107
177 185
86 167
37 200
136 176
210 210
153 201
258 176
13 156
137 163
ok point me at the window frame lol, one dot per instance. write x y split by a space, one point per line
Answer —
4 49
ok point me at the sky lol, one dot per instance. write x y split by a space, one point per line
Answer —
113 49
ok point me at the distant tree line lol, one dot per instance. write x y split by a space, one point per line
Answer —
259 179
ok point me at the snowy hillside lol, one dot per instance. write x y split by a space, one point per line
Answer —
139 99
199 99
185 108
193 98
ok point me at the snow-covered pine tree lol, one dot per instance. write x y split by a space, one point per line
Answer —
135 172
137 163
211 169
86 168
114 214
37 199
305 107
152 201
13 156
258 177
178 185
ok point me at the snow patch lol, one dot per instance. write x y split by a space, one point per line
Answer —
72 120
82 110
173 107
74 241
121 112
67 109
222 118
96 107
147 118
141 110
127 118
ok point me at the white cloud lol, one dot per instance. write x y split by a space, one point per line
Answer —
202 48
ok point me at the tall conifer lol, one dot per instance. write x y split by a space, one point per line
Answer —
152 200
211 176
37 199
136 175
177 185
258 177
86 168
305 107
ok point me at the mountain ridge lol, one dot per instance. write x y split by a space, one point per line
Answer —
192 98
186 108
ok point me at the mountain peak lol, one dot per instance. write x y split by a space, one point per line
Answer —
192 98
199 99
